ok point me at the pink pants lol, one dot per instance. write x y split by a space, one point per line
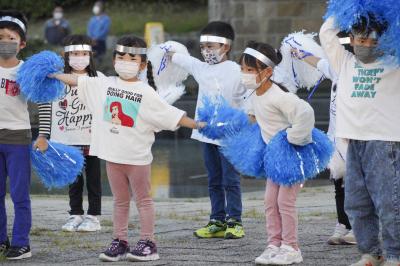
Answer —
281 214
137 178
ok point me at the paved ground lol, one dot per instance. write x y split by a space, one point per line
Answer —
176 220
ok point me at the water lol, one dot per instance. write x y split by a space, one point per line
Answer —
177 172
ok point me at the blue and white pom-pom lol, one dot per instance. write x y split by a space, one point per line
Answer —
168 76
349 12
245 151
33 79
58 166
287 164
222 119
301 73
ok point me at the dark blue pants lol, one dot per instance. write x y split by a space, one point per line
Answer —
373 195
15 163
223 185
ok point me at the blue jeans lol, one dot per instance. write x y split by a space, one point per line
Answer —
15 162
373 195
223 185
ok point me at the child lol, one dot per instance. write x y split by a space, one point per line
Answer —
15 138
367 115
127 148
217 76
343 233
276 109
68 121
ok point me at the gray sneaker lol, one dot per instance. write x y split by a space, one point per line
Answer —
338 234
369 260
349 238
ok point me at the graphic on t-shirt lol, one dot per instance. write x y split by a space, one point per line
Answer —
11 87
364 82
121 107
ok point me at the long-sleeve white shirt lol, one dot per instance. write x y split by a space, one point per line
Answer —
369 97
219 79
277 110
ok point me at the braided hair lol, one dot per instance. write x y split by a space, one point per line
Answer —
134 41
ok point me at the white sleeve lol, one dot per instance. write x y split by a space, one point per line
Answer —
325 68
161 115
88 90
187 62
335 52
301 117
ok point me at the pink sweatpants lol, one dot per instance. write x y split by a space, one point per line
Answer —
137 178
281 214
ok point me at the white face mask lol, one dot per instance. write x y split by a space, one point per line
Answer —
57 15
126 70
249 81
212 56
96 10
79 62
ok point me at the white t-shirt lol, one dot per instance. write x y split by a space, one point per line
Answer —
369 96
70 119
276 110
13 106
325 68
220 79
125 117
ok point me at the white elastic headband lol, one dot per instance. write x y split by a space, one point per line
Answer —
259 56
77 47
130 50
14 20
345 40
210 38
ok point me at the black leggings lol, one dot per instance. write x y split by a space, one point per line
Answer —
93 185
339 196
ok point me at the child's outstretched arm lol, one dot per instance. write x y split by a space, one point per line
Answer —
68 79
187 62
190 123
309 59
335 52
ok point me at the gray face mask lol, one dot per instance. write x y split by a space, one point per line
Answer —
8 49
366 55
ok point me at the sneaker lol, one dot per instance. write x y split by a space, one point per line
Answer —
89 224
214 228
234 229
19 253
145 250
369 260
265 257
349 238
116 251
287 255
72 224
338 234
391 263
4 246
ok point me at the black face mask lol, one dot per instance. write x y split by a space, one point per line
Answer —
366 55
8 49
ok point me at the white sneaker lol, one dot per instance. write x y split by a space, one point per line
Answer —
338 234
72 223
90 224
349 238
265 257
286 256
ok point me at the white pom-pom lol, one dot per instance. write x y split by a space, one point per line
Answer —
167 75
301 73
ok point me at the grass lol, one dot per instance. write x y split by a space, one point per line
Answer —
131 18
253 213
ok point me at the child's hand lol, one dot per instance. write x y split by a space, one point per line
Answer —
200 125
41 144
52 75
296 53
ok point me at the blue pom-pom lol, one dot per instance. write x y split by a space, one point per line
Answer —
222 119
58 166
245 151
33 80
287 164
349 12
